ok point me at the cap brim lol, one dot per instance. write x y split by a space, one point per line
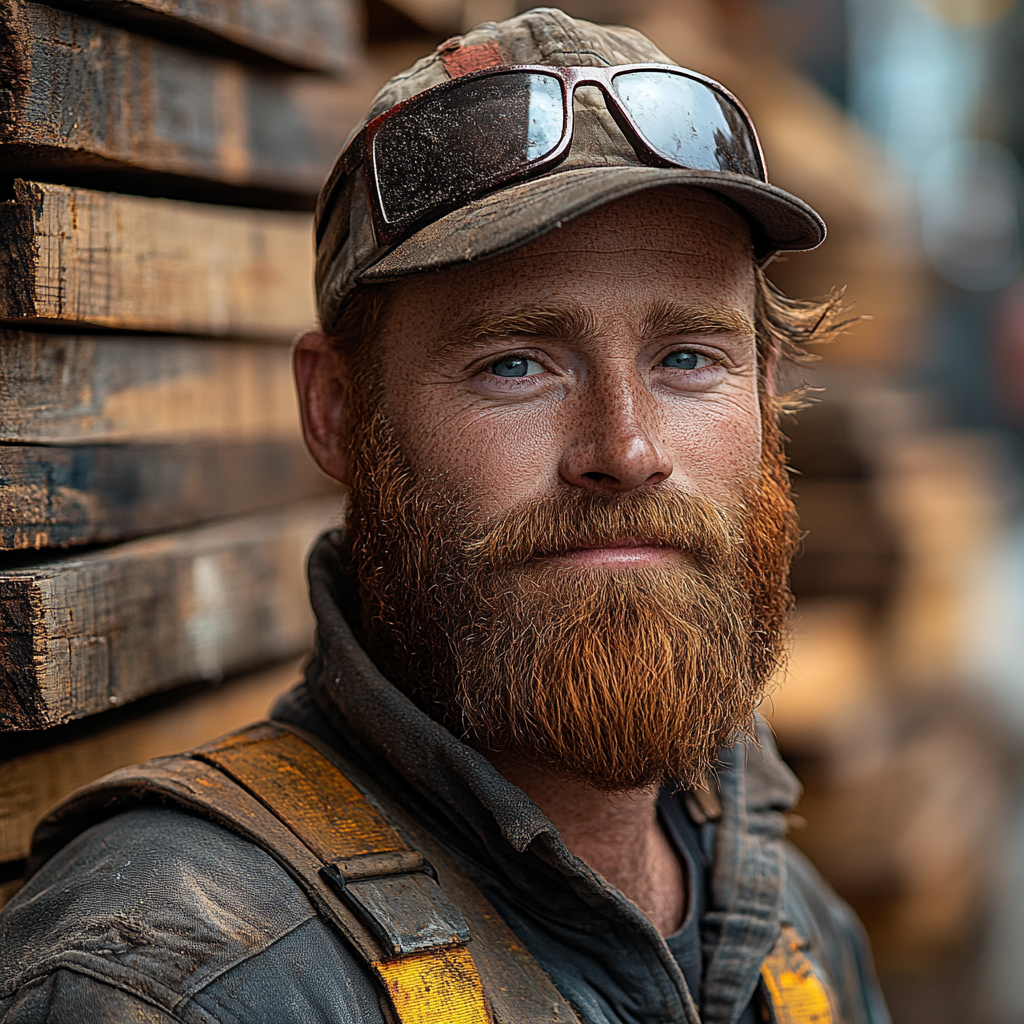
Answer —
514 216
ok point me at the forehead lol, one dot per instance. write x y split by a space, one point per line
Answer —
675 244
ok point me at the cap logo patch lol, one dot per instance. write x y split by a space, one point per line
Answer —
464 59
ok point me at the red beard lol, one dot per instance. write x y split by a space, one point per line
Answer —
618 679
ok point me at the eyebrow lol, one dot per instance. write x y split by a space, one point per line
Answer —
574 322
666 319
569 322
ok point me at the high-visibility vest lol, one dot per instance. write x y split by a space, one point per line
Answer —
403 905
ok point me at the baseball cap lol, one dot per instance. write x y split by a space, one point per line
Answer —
601 166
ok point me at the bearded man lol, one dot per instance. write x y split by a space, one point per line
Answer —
524 779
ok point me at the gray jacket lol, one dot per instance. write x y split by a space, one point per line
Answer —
157 916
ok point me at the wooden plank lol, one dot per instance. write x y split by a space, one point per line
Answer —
83 257
79 635
91 494
98 104
60 389
32 783
446 17
314 35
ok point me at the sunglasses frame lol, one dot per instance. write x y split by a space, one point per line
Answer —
361 150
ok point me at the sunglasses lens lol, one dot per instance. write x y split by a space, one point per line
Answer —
687 122
460 140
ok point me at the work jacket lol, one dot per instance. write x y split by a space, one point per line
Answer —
155 915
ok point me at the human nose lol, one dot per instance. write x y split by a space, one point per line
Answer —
616 446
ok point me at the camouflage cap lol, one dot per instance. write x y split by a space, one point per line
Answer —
601 166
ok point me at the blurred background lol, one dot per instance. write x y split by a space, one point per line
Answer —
902 122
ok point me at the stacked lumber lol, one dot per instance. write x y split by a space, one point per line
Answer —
157 504
876 710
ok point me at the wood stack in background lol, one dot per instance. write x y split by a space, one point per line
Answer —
158 162
904 765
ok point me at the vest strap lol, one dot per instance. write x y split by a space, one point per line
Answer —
424 966
796 992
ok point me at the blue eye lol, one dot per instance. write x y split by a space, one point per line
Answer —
685 360
516 366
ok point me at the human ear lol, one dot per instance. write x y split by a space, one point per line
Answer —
324 403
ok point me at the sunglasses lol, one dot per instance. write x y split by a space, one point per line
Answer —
437 150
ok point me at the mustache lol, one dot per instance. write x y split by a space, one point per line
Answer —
707 531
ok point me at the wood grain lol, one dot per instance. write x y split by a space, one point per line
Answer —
82 389
32 783
85 97
79 635
77 256
91 494
316 35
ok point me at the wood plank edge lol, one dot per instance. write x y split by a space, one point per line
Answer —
252 48
30 706
249 477
98 327
57 166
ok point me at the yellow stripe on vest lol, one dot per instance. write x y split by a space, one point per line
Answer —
302 788
441 987
796 994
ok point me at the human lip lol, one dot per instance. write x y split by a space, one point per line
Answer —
619 553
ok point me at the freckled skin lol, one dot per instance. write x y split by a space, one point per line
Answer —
607 416
598 412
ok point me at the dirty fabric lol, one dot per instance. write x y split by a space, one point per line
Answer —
158 916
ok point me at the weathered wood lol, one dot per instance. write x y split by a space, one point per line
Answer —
58 497
99 104
32 783
77 256
315 35
79 389
79 635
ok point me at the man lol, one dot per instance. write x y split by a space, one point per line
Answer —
546 374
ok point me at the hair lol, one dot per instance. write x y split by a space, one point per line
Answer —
358 324
787 329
